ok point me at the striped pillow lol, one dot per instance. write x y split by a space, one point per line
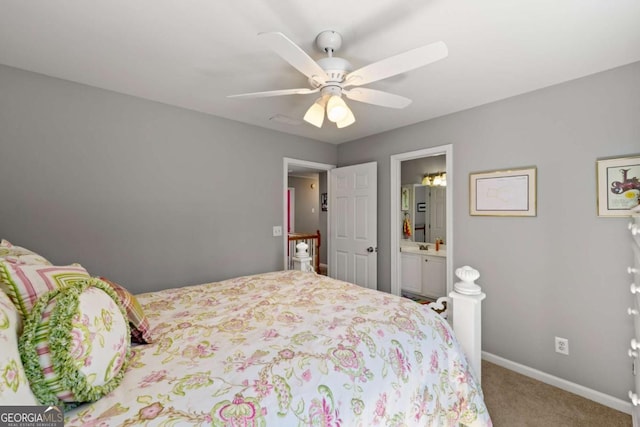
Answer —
75 343
138 321
25 283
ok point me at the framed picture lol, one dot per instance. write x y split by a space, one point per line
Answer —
323 202
509 192
421 207
404 199
618 181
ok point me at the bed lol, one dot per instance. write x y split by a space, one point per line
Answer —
289 348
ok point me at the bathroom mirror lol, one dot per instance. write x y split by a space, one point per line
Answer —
429 213
426 206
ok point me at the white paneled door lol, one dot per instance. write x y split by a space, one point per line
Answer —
353 224
438 214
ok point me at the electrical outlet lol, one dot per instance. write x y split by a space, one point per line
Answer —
277 231
562 346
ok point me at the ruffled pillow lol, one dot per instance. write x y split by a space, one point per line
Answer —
138 321
25 283
19 255
14 388
75 343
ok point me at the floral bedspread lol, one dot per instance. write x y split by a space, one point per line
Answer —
290 349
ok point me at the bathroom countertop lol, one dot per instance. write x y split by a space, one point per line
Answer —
414 248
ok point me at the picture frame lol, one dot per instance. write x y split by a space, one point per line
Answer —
323 202
404 199
508 192
618 185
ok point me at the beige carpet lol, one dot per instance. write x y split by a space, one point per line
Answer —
515 400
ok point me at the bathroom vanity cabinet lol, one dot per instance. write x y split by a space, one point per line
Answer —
423 274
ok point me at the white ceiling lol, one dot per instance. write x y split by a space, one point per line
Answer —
192 53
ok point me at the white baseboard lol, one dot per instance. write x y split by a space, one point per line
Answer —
596 396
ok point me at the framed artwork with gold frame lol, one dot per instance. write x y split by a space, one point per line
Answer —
509 192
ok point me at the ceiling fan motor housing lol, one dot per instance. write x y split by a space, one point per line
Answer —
335 68
329 41
330 90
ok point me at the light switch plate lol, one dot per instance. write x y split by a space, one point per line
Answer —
277 231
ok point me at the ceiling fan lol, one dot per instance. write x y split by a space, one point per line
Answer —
332 76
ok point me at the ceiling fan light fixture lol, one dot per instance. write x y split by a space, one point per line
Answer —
332 75
315 114
337 109
347 121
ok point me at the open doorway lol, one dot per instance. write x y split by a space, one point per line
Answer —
303 213
397 211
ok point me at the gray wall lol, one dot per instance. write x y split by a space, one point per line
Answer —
144 193
563 272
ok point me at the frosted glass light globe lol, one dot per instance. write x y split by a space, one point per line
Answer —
337 110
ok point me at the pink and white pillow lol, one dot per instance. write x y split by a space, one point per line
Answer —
138 321
14 387
75 343
25 283
19 255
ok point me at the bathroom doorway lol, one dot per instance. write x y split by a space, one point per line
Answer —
397 216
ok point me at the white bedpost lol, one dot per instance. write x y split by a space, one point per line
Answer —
467 299
302 260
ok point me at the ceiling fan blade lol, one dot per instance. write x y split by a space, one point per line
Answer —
377 97
397 64
294 55
301 91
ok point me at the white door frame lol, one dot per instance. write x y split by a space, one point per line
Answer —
291 217
287 162
396 181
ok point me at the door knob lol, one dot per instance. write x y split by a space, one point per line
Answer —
370 249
